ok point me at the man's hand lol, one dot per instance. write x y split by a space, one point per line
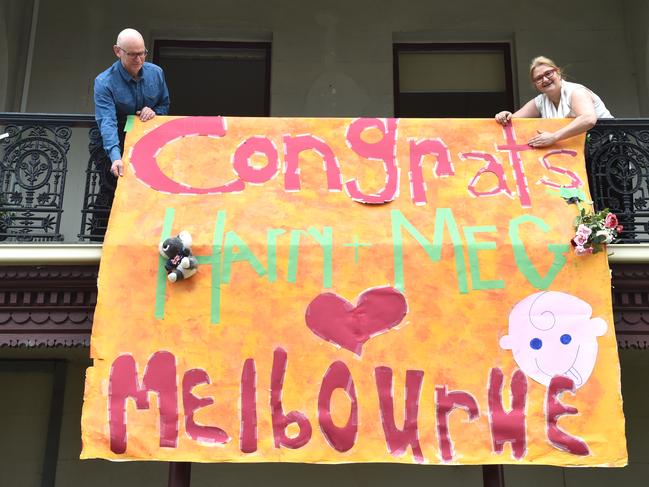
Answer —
542 139
146 114
117 168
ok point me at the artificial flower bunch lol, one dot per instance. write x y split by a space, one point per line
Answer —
594 230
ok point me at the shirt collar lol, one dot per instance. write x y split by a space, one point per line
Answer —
125 76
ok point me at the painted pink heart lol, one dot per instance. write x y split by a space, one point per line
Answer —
338 321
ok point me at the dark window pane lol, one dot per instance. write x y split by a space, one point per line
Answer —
451 105
207 78
452 80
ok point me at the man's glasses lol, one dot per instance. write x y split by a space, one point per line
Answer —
133 55
549 74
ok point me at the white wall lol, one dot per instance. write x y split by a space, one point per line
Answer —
637 22
334 58
15 22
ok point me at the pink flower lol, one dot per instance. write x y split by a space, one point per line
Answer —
611 221
580 250
579 240
583 231
619 228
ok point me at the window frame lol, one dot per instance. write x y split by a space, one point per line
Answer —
503 47
158 44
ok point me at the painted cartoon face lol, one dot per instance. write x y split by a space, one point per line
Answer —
552 333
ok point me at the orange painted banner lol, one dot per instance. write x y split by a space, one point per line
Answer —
358 290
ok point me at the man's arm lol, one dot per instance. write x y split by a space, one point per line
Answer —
106 117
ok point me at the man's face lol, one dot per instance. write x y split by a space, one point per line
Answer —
131 53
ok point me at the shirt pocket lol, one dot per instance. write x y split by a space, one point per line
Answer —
151 95
124 102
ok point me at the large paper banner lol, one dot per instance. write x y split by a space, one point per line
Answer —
368 290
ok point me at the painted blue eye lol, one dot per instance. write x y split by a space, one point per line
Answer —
565 339
536 343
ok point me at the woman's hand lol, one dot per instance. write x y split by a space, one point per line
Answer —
542 139
503 117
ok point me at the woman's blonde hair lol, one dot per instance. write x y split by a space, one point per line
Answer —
542 60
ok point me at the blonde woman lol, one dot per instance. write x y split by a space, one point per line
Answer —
558 98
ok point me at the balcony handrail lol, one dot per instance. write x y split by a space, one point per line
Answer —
85 118
616 122
71 119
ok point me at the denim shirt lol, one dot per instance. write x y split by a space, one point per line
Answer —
117 95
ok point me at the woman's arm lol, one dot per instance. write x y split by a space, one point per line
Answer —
585 118
528 110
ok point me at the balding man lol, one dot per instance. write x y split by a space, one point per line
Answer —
130 86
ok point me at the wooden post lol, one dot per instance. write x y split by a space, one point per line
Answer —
180 474
493 476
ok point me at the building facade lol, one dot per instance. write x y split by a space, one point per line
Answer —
282 58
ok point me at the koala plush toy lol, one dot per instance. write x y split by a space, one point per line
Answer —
180 264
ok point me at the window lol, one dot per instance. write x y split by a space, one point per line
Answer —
216 78
452 80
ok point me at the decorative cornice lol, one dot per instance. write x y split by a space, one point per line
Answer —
631 305
47 305
67 341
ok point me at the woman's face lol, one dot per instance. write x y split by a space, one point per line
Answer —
546 79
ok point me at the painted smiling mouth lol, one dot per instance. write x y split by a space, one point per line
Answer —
572 372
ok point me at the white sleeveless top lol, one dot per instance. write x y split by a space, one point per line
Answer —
564 110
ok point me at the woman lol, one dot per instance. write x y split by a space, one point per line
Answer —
558 99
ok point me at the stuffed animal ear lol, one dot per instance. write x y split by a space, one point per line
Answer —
186 238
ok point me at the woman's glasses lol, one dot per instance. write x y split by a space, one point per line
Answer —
549 74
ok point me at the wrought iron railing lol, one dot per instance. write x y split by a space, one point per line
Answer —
99 191
32 177
35 165
617 158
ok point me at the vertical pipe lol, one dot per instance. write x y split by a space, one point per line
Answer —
180 474
493 476
51 457
30 56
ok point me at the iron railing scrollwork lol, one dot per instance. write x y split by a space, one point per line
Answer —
99 191
34 162
617 158
33 168
32 181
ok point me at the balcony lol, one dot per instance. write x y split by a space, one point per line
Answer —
56 187
56 194
54 176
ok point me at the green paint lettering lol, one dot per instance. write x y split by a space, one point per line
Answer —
243 253
474 263
161 281
522 258
443 218
271 244
326 242
293 251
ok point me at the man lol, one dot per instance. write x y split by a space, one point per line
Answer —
129 87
